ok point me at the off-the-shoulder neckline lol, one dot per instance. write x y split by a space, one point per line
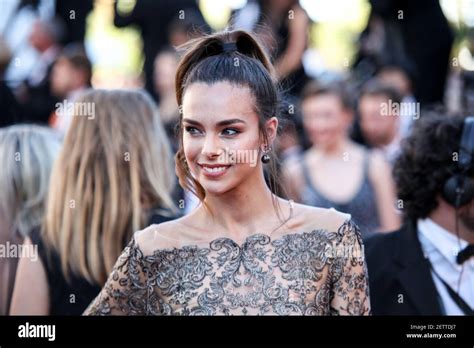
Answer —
348 224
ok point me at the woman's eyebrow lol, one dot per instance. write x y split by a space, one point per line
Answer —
193 122
230 121
219 124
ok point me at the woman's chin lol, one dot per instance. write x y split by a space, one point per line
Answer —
216 188
215 191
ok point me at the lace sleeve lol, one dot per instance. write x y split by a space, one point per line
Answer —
349 273
125 292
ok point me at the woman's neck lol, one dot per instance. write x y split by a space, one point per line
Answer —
241 211
335 150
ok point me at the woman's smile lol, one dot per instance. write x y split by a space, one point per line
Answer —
214 171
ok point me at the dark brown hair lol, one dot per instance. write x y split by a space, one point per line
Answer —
376 88
426 162
207 60
337 89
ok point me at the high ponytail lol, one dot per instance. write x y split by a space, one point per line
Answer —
204 47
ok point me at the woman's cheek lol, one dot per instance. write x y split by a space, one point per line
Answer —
191 151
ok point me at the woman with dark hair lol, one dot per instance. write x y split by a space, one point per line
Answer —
243 250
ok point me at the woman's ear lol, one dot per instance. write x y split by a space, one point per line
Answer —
271 127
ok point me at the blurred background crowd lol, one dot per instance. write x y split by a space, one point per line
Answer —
337 61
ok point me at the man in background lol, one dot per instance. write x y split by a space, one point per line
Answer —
427 267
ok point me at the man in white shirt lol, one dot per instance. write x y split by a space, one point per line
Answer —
427 267
441 247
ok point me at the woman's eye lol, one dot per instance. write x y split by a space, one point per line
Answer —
230 131
191 130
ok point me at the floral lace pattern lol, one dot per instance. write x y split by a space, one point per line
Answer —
308 273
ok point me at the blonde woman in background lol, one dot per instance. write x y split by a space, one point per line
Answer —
27 153
113 176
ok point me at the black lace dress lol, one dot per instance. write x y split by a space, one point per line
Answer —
319 272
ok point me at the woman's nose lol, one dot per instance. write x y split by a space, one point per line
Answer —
211 146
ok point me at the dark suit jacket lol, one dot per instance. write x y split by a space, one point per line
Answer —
399 275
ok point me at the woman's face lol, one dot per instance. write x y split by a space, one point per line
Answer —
325 119
221 137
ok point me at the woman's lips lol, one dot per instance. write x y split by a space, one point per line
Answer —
214 170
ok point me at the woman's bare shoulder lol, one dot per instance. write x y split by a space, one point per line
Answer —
311 218
169 234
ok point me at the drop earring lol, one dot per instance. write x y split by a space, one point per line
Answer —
266 157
